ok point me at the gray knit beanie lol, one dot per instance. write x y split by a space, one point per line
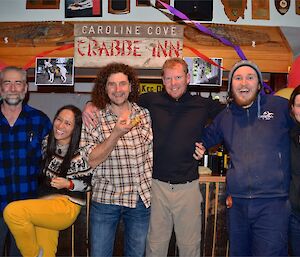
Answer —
244 63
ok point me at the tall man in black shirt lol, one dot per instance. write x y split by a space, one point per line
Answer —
177 120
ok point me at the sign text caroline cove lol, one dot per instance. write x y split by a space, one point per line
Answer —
140 45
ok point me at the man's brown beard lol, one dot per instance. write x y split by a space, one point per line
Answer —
242 102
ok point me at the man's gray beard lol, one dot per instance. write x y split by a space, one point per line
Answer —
13 101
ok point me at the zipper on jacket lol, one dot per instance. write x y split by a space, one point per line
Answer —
247 155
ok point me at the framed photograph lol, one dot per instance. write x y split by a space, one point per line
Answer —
54 71
83 8
203 73
42 4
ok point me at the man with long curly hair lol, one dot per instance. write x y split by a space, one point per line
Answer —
119 149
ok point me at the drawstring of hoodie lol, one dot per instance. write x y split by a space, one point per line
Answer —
258 105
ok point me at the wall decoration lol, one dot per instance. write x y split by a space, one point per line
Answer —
159 5
118 6
195 9
297 6
83 8
237 35
203 73
54 71
282 6
143 3
138 44
42 4
36 34
260 10
234 9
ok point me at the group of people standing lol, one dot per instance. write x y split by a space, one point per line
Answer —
135 151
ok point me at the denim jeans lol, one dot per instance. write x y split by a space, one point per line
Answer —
259 227
294 234
6 236
104 219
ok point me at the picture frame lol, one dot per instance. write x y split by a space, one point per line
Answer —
118 6
83 8
42 4
143 3
203 73
54 71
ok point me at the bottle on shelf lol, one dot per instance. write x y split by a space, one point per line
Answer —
220 154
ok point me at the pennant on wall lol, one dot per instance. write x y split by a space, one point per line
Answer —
234 9
83 8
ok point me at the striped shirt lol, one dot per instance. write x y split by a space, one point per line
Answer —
127 172
20 154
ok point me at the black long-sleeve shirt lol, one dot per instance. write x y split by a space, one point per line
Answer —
177 125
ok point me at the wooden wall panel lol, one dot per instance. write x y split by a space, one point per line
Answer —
266 46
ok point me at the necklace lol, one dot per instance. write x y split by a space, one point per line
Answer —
62 149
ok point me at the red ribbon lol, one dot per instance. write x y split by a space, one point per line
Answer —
42 54
45 53
204 57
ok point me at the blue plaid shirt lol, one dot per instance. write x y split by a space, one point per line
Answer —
20 154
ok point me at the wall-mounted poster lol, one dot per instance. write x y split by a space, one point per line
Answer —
203 73
83 8
54 71
42 4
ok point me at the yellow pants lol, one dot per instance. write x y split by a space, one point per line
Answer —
36 223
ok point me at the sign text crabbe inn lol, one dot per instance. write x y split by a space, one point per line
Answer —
139 45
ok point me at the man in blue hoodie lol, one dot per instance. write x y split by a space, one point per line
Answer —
255 130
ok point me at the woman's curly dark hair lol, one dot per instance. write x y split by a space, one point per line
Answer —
99 95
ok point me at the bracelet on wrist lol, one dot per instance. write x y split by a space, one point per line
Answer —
71 185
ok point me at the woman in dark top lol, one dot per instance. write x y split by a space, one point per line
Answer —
66 175
294 229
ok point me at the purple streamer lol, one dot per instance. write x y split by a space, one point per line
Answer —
206 30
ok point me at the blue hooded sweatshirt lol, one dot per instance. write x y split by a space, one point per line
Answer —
257 139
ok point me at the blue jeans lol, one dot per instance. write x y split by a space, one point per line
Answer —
259 227
104 219
294 234
4 235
